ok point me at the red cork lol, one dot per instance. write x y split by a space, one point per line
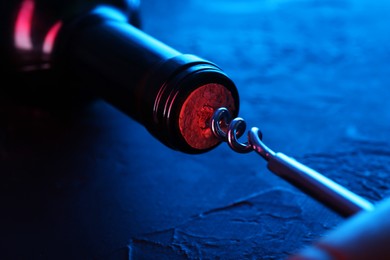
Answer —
196 113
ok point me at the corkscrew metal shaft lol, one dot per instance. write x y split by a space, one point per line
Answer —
311 182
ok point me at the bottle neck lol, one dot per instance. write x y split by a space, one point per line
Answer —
147 80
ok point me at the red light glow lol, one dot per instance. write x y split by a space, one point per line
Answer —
22 36
51 37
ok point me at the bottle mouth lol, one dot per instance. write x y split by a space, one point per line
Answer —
184 107
183 93
196 113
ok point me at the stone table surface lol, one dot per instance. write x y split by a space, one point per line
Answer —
312 75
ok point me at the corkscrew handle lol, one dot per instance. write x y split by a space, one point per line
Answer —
316 185
311 182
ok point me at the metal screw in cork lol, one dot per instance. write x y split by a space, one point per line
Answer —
316 185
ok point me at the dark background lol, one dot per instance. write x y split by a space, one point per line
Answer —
313 75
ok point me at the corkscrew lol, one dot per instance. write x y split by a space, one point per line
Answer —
316 185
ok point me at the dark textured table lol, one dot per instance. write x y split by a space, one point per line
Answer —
312 75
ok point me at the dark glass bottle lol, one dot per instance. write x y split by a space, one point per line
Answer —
54 51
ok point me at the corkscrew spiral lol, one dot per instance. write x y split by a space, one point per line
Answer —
230 130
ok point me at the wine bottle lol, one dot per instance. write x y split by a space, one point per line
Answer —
55 50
